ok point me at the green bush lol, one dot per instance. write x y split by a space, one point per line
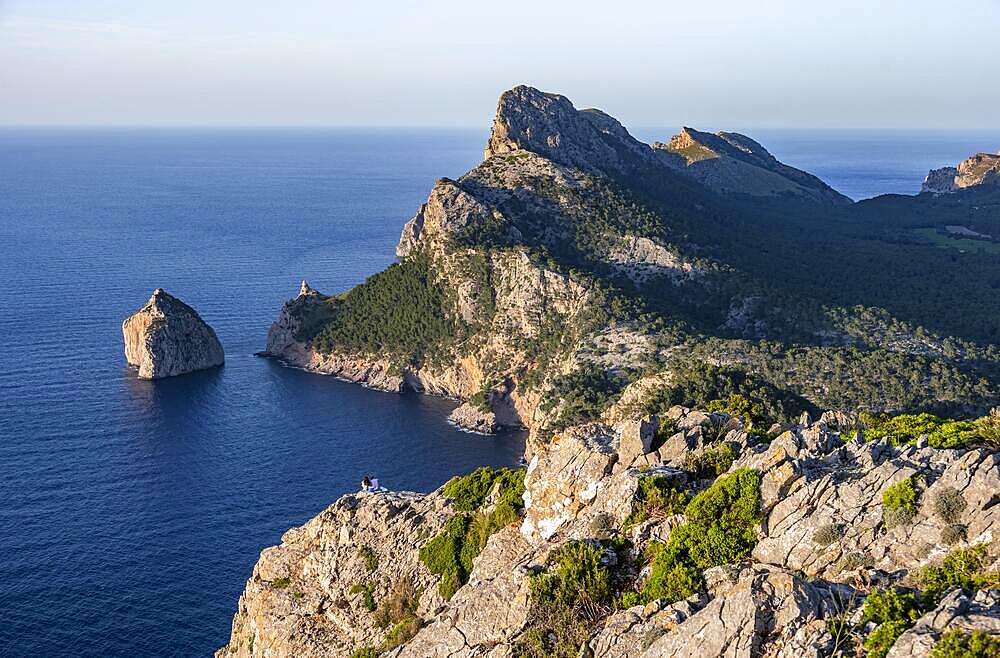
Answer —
367 595
988 430
719 529
450 553
666 429
880 640
371 560
965 568
953 534
739 406
280 583
961 644
564 597
365 652
710 462
657 497
907 428
894 613
899 503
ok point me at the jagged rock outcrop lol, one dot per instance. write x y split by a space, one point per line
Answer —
980 169
732 163
299 601
166 337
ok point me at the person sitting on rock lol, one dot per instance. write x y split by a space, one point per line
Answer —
366 483
375 486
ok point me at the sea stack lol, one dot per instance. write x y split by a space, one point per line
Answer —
166 337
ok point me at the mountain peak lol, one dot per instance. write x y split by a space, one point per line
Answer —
548 124
979 169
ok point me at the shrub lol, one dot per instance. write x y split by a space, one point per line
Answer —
657 497
949 504
719 529
399 605
627 600
468 492
371 560
877 644
367 595
401 633
953 534
666 429
894 613
988 430
739 406
827 534
602 526
899 503
710 462
965 568
907 428
450 554
566 597
280 583
365 652
961 644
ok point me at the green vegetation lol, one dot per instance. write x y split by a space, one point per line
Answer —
988 430
666 429
965 568
585 393
710 462
828 534
899 503
450 553
402 311
371 560
367 593
894 613
907 428
567 596
280 583
657 497
698 385
365 652
961 644
719 529
948 504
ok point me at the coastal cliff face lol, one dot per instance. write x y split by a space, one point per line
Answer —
980 169
166 337
608 558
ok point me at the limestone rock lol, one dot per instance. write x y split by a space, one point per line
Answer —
980 169
166 337
474 419
956 611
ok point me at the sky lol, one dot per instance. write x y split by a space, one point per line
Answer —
712 64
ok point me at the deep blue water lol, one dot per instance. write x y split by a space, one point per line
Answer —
131 513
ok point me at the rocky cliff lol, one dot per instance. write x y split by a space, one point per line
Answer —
624 544
166 337
980 169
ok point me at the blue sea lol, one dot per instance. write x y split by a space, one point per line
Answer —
131 513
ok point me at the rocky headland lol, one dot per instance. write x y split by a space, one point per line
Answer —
166 337
667 320
678 534
977 170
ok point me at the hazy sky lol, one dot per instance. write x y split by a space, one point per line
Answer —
709 63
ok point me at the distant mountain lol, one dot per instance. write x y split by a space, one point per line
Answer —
980 169
731 163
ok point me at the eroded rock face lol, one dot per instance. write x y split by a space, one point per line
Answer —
166 337
980 169
776 604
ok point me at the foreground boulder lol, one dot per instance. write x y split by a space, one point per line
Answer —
166 337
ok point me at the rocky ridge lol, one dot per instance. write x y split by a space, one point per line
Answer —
977 170
822 547
166 337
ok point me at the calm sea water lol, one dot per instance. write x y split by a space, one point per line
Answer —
131 513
